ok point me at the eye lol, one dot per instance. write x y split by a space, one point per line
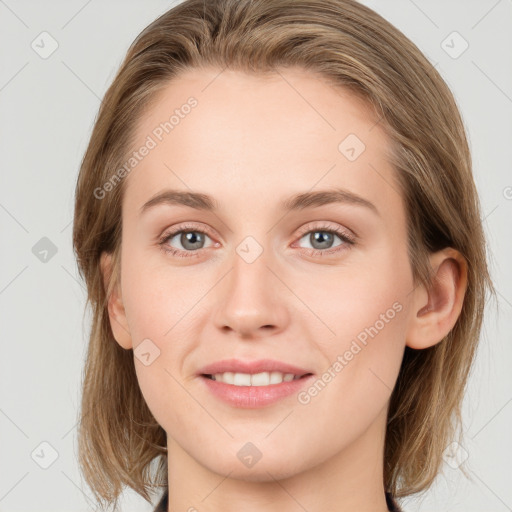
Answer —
190 238
192 241
321 240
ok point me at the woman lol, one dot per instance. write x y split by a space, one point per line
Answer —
229 363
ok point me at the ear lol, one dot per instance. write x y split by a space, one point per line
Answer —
437 308
116 311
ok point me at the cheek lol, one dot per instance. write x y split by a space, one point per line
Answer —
157 298
367 314
356 298
161 306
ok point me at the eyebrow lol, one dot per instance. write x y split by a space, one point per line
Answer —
301 201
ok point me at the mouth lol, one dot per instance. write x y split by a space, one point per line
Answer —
253 384
261 372
256 390
254 379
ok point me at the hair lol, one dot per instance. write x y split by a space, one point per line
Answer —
356 49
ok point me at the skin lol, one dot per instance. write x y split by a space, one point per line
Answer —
251 142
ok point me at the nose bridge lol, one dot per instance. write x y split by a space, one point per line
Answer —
249 299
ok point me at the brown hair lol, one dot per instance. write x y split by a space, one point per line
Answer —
355 48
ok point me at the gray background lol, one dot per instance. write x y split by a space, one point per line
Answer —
47 108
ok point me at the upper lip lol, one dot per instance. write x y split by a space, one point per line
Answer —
256 366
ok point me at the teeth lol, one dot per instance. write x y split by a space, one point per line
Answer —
256 379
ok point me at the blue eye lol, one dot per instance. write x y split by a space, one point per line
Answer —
324 238
193 241
321 240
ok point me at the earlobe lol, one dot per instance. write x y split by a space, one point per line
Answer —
437 309
116 311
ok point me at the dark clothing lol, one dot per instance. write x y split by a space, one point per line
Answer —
162 505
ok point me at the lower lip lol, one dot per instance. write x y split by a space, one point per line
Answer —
254 397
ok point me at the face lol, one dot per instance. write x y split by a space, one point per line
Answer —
264 268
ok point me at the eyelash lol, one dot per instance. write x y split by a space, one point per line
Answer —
345 237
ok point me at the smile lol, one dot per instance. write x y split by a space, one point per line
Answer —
253 391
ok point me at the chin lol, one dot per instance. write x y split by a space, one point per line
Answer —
266 469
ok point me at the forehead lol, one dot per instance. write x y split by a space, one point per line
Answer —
237 135
232 105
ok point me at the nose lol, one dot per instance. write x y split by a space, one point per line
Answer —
251 301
